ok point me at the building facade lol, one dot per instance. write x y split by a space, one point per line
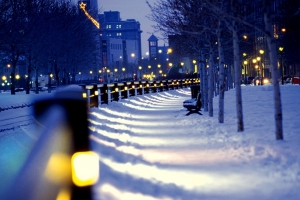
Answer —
120 45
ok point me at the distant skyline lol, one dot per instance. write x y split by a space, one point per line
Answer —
133 9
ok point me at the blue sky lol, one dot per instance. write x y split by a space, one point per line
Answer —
133 9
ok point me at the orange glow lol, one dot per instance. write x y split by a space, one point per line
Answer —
82 7
58 169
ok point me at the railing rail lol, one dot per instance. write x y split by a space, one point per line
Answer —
98 94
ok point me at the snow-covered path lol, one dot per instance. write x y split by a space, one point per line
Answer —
149 149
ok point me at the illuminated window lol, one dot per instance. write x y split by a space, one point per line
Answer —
119 34
118 26
108 26
153 43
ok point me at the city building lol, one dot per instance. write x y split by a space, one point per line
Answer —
120 46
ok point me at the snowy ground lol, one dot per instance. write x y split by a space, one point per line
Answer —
150 150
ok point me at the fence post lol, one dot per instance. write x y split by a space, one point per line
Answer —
48 169
108 94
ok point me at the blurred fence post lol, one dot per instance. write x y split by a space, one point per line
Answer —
48 171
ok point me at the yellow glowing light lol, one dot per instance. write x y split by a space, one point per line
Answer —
64 194
133 86
116 89
125 88
96 92
266 81
84 95
17 76
58 168
82 7
280 48
85 168
3 78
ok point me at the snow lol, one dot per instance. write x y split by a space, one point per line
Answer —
150 149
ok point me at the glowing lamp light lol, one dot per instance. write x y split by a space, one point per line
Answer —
266 81
133 86
64 194
85 168
84 95
58 169
117 89
125 88
96 92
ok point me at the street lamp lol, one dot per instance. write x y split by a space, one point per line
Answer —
140 72
123 70
116 77
254 61
91 72
245 69
281 65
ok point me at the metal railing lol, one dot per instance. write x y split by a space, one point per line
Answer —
97 94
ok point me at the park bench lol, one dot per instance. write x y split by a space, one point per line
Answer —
193 105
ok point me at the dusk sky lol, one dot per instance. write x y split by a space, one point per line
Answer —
133 9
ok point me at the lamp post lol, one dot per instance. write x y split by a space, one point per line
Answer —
281 65
123 70
254 61
262 62
259 69
133 65
245 69
91 72
116 77
140 72
108 75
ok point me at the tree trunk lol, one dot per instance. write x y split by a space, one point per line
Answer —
36 81
273 59
49 77
205 84
221 78
14 59
28 75
211 82
201 64
237 79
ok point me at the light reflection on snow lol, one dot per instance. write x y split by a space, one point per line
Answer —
195 180
132 116
108 191
127 121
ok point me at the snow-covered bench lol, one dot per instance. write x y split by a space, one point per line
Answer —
193 105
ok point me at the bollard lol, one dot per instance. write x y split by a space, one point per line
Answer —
100 94
50 171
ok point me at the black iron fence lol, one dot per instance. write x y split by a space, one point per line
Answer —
97 94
